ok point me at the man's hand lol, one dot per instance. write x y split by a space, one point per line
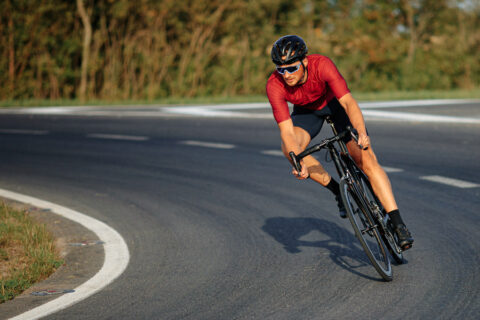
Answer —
356 118
302 175
363 141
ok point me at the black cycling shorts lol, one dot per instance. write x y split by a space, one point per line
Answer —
312 120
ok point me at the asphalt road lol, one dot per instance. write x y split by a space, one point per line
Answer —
223 231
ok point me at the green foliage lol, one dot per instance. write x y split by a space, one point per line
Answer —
155 49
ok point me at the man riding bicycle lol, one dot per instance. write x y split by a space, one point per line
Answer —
316 88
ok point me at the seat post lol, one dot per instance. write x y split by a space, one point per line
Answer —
330 122
343 147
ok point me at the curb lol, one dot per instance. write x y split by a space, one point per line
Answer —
116 256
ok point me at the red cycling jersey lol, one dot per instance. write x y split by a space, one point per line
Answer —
324 83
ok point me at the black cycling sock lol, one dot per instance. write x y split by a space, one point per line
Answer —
333 186
395 217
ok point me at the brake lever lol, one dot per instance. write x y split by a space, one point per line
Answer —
354 134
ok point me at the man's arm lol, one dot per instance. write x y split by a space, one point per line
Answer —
291 143
356 118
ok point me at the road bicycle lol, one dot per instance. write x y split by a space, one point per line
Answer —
369 220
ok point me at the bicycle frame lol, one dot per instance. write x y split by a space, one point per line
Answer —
344 171
334 153
342 165
353 178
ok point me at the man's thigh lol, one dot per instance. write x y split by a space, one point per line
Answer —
303 137
307 120
363 158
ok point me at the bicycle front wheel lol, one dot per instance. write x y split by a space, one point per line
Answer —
365 228
389 237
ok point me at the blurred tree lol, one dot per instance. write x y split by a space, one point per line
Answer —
119 49
86 49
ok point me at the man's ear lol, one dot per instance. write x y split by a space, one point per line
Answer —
305 62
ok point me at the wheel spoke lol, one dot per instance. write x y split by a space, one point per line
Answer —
385 230
360 212
369 229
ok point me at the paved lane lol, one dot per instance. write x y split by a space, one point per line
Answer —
227 233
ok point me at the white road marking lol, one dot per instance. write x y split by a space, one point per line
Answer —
263 110
451 182
20 131
216 111
116 260
414 103
390 169
116 137
219 109
208 144
278 153
232 106
417 117
235 110
46 110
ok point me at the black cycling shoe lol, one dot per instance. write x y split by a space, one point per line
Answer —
405 239
341 207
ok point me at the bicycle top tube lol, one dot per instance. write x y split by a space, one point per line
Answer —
324 144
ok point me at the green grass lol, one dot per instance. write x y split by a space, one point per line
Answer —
27 252
361 96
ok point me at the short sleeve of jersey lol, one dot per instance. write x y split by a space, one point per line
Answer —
332 76
276 96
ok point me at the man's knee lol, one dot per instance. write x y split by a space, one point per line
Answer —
368 162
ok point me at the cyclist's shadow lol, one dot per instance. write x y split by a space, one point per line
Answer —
344 248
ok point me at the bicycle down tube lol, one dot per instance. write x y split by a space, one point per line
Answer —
361 214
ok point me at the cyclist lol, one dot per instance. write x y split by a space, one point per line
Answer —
316 89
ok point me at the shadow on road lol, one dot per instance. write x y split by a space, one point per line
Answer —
347 253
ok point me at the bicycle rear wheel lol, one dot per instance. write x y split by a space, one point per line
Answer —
366 230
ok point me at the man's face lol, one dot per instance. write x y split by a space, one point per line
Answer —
296 77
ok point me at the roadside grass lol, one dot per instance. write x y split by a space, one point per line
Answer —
27 252
361 96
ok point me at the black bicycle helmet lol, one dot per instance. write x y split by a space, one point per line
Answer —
292 48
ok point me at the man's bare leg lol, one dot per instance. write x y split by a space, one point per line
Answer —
367 161
382 187
315 169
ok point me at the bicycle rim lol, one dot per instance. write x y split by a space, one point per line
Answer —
389 237
366 231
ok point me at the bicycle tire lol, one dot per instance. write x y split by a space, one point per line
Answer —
389 236
365 229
